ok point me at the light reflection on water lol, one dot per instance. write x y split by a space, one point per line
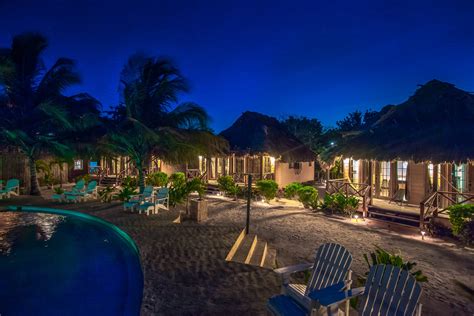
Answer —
13 223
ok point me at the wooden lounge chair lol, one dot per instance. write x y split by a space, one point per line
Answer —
12 187
90 192
160 200
77 188
389 290
70 196
137 199
329 273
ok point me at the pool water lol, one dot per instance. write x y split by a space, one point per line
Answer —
55 262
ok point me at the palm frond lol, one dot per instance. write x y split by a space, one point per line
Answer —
59 77
189 115
56 115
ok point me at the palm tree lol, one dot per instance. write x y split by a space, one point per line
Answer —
35 115
150 121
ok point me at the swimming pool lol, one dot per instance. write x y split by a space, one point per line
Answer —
55 262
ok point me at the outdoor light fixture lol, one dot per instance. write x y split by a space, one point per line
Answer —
423 235
356 217
332 143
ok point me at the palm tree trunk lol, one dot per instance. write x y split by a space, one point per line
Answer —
34 184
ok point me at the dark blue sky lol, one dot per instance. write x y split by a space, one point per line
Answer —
314 58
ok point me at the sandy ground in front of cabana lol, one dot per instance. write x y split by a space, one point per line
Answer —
186 274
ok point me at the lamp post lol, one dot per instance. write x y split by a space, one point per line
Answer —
249 195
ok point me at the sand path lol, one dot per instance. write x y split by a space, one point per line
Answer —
186 274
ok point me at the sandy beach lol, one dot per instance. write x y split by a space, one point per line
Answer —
186 274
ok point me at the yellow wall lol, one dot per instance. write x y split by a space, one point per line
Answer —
284 175
170 169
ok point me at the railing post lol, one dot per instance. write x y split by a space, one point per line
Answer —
422 215
364 207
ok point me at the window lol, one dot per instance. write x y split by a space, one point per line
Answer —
355 171
78 164
431 175
295 165
439 176
402 171
345 168
385 178
459 177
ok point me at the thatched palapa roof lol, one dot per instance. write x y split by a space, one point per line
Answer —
255 133
435 124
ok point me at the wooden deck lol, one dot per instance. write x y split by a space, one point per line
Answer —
409 209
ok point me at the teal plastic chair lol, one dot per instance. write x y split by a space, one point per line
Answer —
12 187
77 188
75 194
90 192
160 200
136 200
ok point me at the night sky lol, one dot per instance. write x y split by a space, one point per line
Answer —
314 58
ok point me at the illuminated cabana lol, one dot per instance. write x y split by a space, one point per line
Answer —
260 145
418 153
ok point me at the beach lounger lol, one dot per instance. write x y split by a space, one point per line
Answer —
90 192
388 290
160 200
12 187
136 200
330 272
70 196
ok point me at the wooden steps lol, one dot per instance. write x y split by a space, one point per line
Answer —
401 218
249 249
109 181
212 188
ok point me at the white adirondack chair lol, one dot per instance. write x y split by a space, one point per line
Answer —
389 291
329 273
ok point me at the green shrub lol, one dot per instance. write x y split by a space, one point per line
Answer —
267 188
126 193
131 182
157 179
58 190
339 203
106 194
459 216
177 184
177 179
195 185
180 189
227 185
291 190
381 256
308 196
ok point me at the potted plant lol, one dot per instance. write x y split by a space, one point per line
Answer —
197 207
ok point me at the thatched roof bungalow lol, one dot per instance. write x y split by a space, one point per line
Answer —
421 146
254 134
260 145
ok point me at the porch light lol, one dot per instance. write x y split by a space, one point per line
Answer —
423 235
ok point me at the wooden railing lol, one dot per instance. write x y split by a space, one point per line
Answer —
439 201
193 173
344 186
242 177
